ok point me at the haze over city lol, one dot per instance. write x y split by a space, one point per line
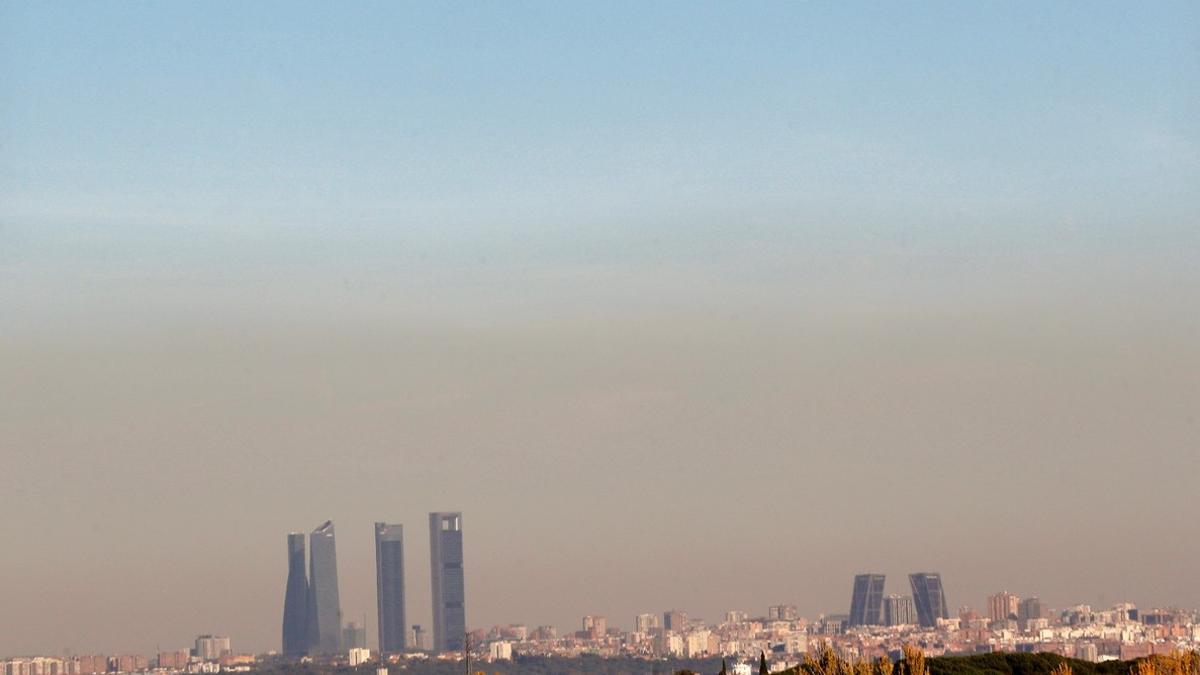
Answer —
701 306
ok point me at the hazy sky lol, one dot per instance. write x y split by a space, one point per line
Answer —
705 306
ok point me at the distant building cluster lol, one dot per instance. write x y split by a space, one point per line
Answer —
312 615
211 654
876 625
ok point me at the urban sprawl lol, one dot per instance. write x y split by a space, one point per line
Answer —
877 624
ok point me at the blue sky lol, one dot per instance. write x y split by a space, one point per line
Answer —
955 124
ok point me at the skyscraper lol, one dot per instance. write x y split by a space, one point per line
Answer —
295 599
929 597
646 623
449 592
866 603
898 610
389 587
1003 605
782 613
674 620
1029 608
324 607
595 626
212 647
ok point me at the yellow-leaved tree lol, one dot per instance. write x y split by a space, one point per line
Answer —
914 661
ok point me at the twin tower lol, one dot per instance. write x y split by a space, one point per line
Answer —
868 607
312 614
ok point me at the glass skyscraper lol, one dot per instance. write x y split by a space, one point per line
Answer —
389 587
866 603
929 597
324 607
295 599
446 570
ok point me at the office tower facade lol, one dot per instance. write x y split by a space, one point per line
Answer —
212 647
295 600
782 613
91 664
128 663
389 587
449 591
866 602
929 597
1003 605
176 659
1029 608
832 624
898 610
1125 611
646 623
595 626
324 606
674 620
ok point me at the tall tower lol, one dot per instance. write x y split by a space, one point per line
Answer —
898 610
295 599
446 570
866 603
646 623
929 597
675 620
1003 605
324 608
1029 608
389 587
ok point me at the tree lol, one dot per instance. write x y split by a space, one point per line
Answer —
914 661
884 666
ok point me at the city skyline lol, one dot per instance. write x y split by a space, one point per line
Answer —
648 291
871 584
1122 631
869 607
931 581
1026 615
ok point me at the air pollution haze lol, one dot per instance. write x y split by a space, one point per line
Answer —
680 306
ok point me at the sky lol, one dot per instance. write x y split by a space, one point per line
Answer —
684 305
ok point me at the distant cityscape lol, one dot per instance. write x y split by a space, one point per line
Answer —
877 624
